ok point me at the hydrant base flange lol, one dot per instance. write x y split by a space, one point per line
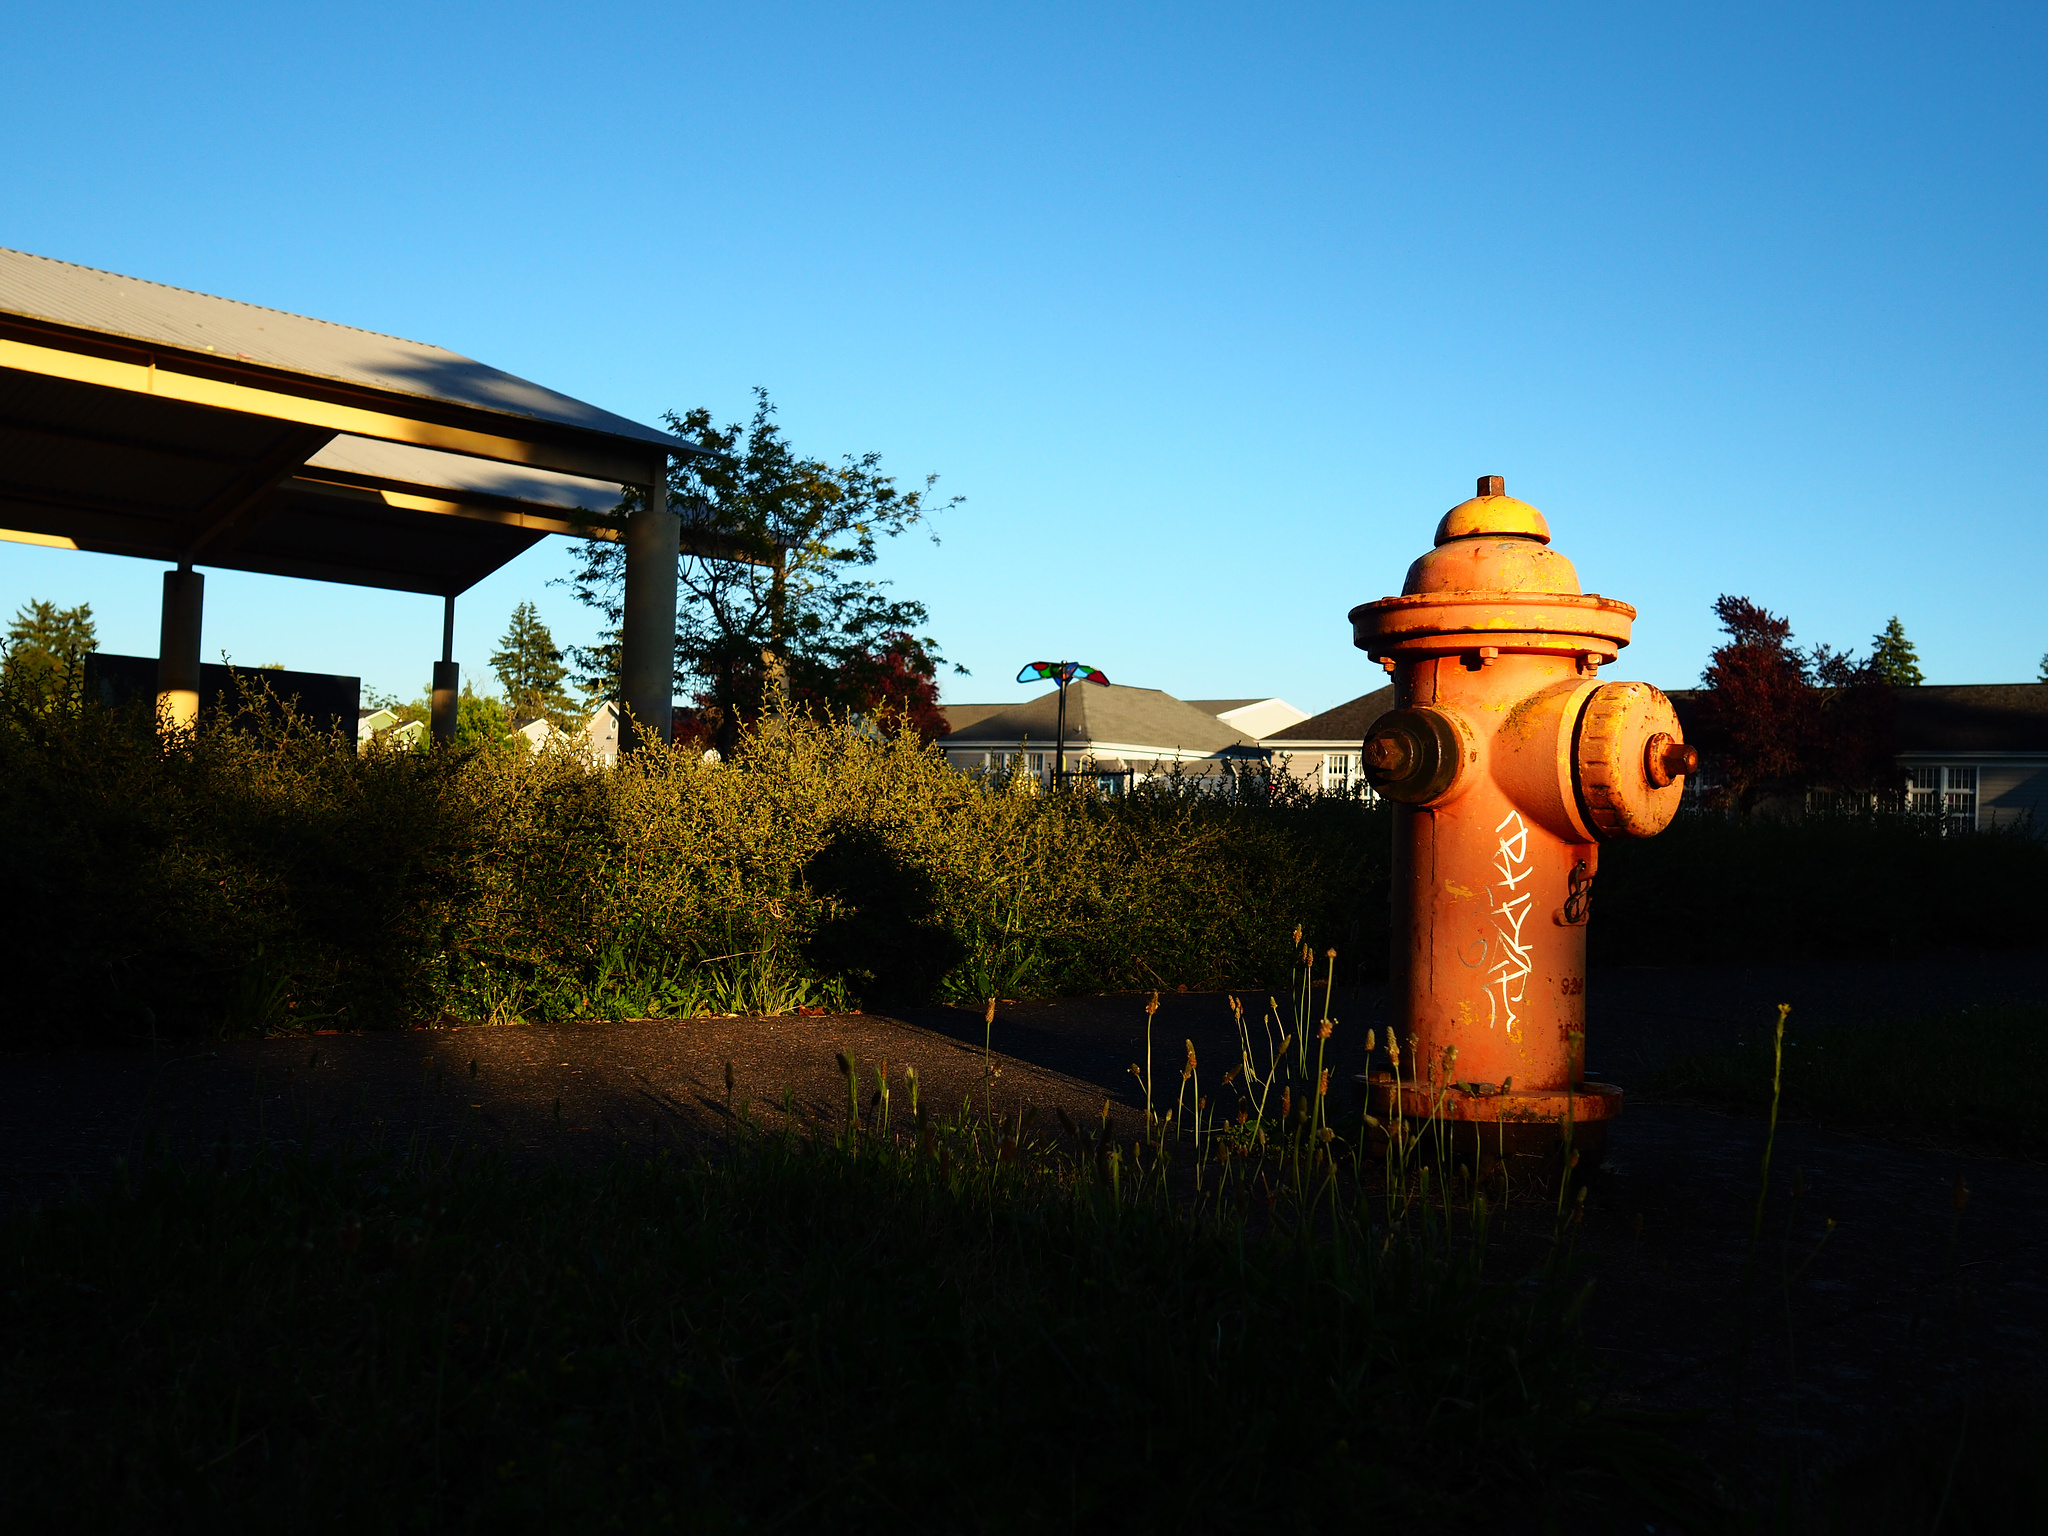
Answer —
1533 1146
1583 1104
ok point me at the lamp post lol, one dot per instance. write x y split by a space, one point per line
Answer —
1063 673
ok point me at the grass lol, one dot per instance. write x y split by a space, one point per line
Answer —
1967 1075
1976 1465
1980 1469
959 1323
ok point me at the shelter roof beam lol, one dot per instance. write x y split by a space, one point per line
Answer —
106 528
239 505
73 433
252 391
481 508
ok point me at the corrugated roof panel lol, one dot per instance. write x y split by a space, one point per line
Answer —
62 293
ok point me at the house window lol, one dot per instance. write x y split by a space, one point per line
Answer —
1344 774
1018 763
1949 792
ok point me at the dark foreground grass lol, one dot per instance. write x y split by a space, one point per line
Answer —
803 1336
1970 1075
1979 1469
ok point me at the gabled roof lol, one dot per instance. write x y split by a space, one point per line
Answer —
1348 722
1973 717
960 717
1947 717
1111 714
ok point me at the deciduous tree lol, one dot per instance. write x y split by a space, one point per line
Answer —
481 722
1852 743
771 585
1754 716
1775 718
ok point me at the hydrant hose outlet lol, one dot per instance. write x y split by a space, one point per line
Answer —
1509 763
1415 755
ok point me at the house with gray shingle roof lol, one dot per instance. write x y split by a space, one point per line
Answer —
1321 752
1113 733
1977 753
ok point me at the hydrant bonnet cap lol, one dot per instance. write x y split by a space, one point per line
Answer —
1493 513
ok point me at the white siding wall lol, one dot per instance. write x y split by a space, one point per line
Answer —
2006 792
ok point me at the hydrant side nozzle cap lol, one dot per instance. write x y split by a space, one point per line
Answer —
1493 513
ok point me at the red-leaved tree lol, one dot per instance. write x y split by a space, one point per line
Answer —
897 685
1777 719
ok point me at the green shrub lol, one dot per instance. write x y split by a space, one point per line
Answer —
260 876
249 879
229 883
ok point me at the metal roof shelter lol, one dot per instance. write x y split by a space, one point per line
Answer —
145 420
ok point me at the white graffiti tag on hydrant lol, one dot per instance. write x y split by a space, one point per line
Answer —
1510 972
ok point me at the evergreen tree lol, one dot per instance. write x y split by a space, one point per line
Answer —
529 667
1893 658
46 650
2044 668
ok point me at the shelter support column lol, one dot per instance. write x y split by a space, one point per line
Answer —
447 682
647 651
177 656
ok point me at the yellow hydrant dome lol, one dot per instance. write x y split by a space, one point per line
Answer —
1493 513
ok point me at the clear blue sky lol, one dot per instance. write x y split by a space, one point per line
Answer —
1209 312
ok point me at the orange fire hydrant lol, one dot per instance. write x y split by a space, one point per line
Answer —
1509 763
